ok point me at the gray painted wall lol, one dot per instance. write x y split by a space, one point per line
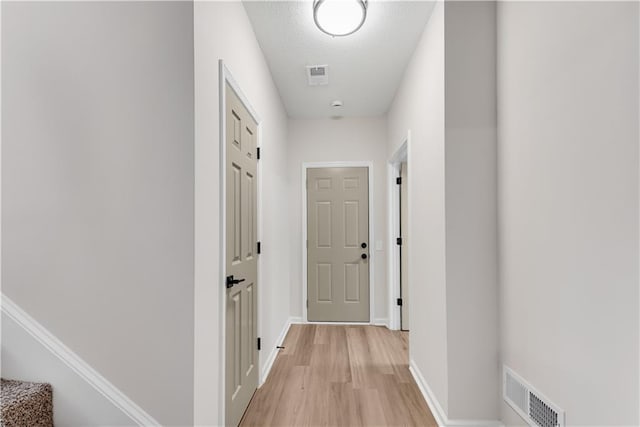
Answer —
471 209
419 106
568 168
97 187
447 100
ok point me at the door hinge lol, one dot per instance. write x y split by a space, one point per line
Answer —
399 302
398 241
259 248
399 180
259 343
307 303
258 153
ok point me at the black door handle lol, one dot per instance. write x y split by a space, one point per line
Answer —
363 245
231 281
363 256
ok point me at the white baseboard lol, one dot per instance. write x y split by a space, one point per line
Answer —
274 352
432 402
381 321
338 323
475 423
76 364
436 409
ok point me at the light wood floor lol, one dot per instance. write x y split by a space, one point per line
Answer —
331 375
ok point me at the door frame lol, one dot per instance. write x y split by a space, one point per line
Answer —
372 256
402 154
225 76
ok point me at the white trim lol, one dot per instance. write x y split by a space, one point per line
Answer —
78 365
225 76
432 402
311 322
475 423
393 207
638 17
436 409
274 353
372 255
381 321
377 322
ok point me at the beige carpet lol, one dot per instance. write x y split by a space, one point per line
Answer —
25 404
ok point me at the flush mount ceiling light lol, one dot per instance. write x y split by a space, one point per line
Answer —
339 17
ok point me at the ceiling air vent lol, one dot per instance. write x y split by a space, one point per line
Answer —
318 75
532 406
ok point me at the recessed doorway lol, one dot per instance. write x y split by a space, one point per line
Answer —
400 236
337 258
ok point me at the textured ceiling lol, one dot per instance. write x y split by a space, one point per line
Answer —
365 68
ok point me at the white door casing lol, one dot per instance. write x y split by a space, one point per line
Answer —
372 253
402 154
404 248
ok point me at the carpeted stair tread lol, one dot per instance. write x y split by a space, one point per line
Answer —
25 404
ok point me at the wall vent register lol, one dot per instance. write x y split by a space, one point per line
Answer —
318 75
531 405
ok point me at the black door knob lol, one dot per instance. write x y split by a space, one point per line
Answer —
363 245
363 256
232 281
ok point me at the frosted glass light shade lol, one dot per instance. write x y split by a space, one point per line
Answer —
339 17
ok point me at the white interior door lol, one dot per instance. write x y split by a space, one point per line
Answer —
241 258
338 244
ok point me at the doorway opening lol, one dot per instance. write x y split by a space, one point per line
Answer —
337 230
399 228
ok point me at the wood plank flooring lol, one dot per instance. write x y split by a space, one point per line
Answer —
333 375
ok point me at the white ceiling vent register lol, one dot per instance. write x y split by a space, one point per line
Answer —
318 75
531 405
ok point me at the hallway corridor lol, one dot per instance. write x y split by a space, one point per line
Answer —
331 375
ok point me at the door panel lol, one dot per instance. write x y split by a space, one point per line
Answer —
352 282
241 351
325 282
351 217
337 225
323 224
236 221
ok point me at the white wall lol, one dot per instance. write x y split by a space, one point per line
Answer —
568 168
75 402
223 31
419 106
328 140
97 188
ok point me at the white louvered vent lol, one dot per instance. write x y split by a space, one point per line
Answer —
531 405
318 75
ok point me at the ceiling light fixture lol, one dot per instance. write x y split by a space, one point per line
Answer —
339 17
